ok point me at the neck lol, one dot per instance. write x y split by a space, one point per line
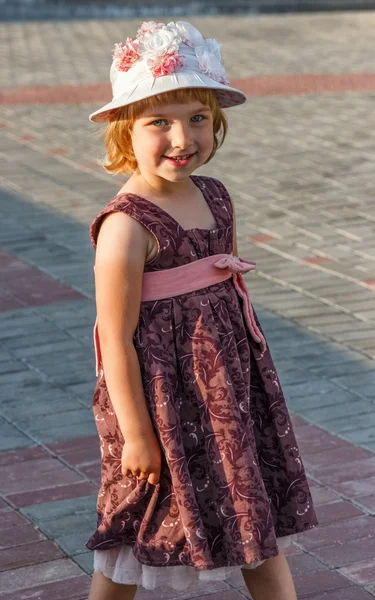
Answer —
161 188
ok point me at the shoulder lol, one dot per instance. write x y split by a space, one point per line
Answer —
219 192
214 184
122 216
121 238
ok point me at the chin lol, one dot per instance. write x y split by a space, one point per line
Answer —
173 177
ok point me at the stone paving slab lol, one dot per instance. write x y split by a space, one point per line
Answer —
73 588
28 577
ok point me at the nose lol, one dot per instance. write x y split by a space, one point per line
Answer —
181 136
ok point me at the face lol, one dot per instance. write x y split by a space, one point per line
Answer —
172 141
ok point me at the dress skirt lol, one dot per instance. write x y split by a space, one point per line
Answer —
120 565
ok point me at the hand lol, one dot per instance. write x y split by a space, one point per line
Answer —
141 456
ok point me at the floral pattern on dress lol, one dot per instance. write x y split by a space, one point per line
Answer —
232 479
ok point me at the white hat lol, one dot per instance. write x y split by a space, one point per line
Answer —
163 58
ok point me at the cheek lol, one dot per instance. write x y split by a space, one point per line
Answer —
207 138
149 146
142 146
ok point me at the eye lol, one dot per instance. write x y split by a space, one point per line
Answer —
197 118
159 122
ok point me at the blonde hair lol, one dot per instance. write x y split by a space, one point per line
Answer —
120 157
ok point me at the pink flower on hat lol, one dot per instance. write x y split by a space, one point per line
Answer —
148 27
126 55
158 45
166 64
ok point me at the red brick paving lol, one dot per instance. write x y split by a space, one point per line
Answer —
306 83
313 440
301 564
92 472
41 574
322 495
62 447
261 237
361 573
230 595
83 456
316 461
346 594
29 554
52 494
58 151
8 302
356 487
319 582
75 588
34 475
57 94
367 501
10 518
356 528
336 511
17 536
27 138
317 260
269 85
3 506
11 457
341 555
355 469
23 285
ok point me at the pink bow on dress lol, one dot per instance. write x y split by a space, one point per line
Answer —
238 266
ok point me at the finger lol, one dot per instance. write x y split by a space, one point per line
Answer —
143 475
153 478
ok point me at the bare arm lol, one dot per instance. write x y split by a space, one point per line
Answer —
120 258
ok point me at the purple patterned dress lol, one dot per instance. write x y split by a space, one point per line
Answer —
232 480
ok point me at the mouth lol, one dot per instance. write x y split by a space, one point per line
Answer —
180 161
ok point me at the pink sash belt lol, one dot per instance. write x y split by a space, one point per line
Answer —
202 273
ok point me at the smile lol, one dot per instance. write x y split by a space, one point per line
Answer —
181 161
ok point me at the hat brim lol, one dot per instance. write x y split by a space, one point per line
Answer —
227 96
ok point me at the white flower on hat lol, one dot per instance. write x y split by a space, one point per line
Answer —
214 47
209 60
159 41
188 33
159 46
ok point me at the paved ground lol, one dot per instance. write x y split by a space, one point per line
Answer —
299 161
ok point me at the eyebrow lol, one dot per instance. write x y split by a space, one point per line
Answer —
164 116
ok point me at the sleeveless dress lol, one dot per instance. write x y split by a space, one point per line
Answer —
232 487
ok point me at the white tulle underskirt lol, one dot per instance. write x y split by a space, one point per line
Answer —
120 565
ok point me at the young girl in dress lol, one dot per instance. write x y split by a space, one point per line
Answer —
201 473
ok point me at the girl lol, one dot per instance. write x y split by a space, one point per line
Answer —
201 474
